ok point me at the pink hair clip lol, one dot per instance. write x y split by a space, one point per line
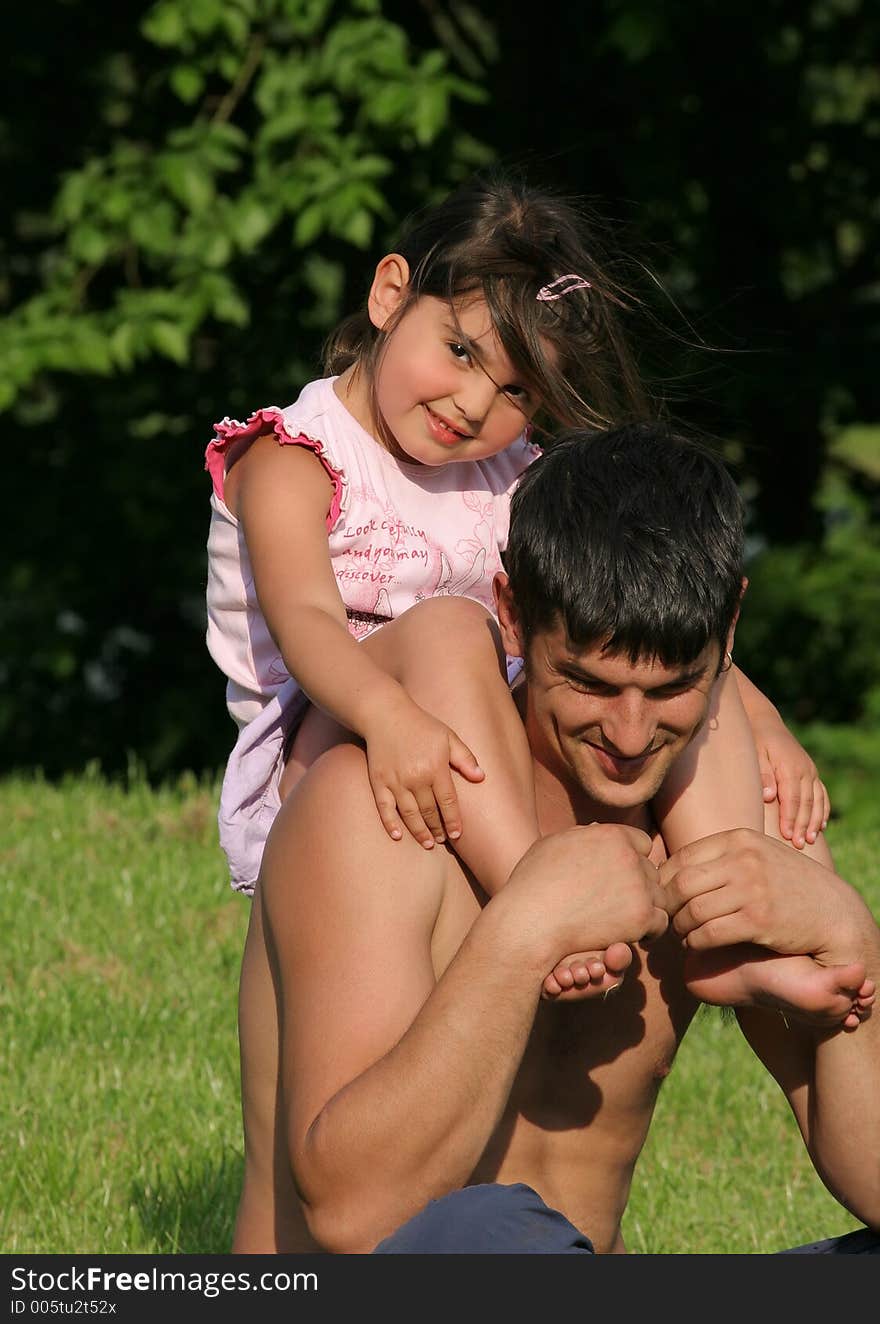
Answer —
561 286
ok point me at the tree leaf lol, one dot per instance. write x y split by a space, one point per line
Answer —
309 224
171 340
164 25
187 180
188 82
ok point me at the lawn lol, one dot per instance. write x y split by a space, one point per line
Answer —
119 1122
120 1128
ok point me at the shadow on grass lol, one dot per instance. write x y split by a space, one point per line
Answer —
191 1212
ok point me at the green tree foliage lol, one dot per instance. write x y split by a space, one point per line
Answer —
744 143
811 617
196 190
195 186
232 123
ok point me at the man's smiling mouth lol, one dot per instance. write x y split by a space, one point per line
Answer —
620 764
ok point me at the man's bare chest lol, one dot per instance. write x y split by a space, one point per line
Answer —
608 1053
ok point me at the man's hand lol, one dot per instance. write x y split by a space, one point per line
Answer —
586 889
742 886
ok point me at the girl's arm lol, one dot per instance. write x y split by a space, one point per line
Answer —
281 495
786 769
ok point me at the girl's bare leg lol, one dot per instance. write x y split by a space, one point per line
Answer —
447 655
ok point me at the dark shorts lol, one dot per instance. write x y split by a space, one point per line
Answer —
487 1220
514 1220
860 1242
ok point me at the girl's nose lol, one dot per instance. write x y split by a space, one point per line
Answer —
474 398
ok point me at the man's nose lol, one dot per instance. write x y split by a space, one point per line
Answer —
629 725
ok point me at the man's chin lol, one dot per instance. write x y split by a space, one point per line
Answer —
622 797
624 792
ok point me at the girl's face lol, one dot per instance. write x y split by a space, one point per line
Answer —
444 388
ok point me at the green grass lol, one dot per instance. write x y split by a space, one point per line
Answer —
119 1120
724 1168
119 1116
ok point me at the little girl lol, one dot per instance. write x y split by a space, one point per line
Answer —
338 522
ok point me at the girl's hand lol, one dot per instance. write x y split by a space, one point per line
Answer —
790 775
409 757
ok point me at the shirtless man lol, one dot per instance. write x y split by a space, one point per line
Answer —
429 1098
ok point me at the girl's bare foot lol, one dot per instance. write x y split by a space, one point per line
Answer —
750 976
587 974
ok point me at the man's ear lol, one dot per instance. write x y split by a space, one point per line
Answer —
508 617
732 631
388 290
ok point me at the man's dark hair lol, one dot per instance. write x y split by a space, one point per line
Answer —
633 538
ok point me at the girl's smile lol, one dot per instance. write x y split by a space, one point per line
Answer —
443 430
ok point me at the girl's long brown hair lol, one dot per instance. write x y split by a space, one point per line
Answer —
502 239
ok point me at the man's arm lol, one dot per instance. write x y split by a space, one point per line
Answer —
744 887
394 1079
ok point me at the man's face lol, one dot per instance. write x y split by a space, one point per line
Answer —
609 728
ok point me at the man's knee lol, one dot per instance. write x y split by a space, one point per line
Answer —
488 1219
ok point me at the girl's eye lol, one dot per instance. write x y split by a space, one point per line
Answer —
459 352
516 392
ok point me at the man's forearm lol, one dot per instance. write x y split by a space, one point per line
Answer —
395 1077
426 1088
413 1126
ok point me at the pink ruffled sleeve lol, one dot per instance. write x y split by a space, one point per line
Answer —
262 421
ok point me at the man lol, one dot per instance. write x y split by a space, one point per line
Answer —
429 1099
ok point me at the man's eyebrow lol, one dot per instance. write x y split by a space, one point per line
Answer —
573 668
686 677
